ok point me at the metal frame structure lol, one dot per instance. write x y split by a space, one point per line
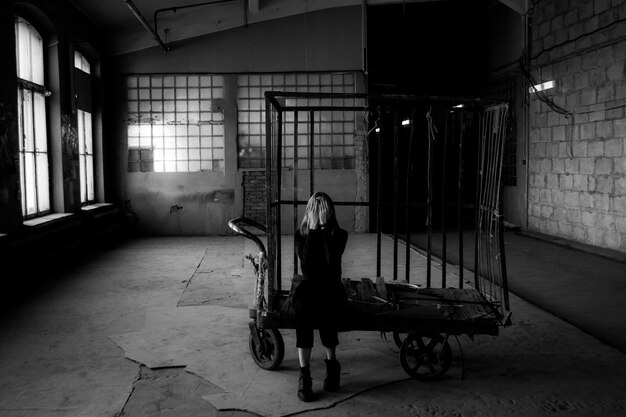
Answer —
489 258
469 124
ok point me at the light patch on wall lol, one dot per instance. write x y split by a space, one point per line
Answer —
541 87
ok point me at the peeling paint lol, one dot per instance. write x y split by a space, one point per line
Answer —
222 196
176 209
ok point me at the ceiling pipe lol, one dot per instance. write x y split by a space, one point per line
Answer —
146 25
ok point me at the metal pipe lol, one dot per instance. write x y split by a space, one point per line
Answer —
460 197
146 25
295 190
444 242
311 151
379 176
407 221
279 173
269 222
396 158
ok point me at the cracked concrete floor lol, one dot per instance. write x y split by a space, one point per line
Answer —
58 356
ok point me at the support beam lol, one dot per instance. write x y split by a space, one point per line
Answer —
519 6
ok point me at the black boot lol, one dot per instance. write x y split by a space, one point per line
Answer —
333 373
305 385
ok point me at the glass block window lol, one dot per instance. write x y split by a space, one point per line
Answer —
175 123
334 130
32 129
81 62
85 157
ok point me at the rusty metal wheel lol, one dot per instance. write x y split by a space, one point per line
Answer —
425 357
270 351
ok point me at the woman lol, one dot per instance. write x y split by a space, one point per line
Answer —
319 299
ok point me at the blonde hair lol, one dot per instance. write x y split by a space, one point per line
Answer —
313 208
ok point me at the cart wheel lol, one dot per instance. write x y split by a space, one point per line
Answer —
425 357
271 350
398 339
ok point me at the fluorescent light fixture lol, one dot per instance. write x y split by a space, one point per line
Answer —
459 106
406 122
540 87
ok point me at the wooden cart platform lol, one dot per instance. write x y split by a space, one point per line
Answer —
402 307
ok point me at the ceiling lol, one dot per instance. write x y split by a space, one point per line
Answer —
125 32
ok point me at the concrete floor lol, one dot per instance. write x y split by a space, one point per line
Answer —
158 327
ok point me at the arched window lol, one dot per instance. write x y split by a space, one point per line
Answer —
85 129
81 62
33 135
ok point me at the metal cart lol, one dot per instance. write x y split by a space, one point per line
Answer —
458 144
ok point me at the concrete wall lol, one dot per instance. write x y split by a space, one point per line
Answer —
325 41
577 167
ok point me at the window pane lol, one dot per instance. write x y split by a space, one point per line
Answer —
22 38
83 188
81 62
20 118
90 179
27 120
43 188
81 132
251 115
88 134
36 45
177 119
28 187
41 139
23 182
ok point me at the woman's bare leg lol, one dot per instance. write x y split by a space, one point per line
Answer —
304 356
330 353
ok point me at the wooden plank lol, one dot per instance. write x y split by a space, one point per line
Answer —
381 287
367 290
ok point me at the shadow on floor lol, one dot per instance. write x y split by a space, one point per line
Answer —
583 288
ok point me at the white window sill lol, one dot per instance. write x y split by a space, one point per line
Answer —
95 206
46 219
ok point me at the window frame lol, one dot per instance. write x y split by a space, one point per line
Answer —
87 171
28 86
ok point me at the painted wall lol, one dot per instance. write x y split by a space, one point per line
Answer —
323 41
577 167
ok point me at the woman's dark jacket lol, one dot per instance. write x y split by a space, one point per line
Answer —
320 253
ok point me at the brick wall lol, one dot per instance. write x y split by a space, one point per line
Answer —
254 195
577 177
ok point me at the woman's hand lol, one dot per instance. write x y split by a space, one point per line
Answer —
313 216
324 213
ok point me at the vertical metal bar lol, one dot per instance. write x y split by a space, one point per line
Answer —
379 174
407 209
279 168
444 246
396 139
478 201
311 148
429 203
460 198
295 190
271 254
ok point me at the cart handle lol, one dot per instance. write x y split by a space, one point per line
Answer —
236 224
